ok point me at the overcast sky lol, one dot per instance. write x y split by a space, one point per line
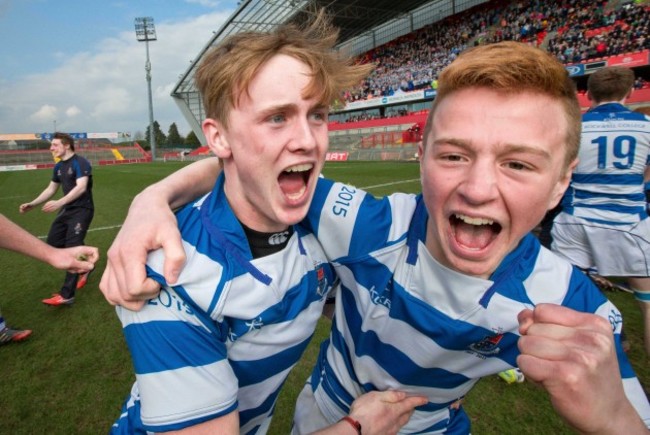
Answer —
77 64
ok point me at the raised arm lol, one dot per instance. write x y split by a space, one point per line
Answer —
573 356
151 224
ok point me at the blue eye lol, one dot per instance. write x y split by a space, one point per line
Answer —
278 118
320 116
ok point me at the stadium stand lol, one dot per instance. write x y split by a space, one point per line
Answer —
413 61
96 153
412 41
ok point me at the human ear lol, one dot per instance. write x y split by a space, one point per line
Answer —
215 136
562 184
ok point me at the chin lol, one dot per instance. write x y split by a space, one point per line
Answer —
294 216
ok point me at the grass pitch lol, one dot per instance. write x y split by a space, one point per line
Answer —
72 375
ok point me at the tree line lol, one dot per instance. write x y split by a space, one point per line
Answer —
172 139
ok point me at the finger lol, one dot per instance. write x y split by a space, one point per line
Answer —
543 347
409 403
133 305
91 253
174 258
106 284
391 396
108 280
537 369
557 314
525 318
126 268
81 267
149 289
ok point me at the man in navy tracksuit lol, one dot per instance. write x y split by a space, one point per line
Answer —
75 208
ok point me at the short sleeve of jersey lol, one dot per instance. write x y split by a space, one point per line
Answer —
351 223
55 173
179 353
182 371
83 169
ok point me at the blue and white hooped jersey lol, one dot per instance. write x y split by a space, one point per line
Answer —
607 186
225 337
405 322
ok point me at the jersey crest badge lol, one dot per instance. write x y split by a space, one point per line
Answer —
488 346
322 281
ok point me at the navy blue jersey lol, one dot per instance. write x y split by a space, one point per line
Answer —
66 173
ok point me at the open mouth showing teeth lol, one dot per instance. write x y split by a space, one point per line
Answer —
294 180
474 233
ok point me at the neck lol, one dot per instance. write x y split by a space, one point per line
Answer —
266 243
600 103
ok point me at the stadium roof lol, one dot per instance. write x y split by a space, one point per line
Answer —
354 17
358 21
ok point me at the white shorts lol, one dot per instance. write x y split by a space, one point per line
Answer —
612 250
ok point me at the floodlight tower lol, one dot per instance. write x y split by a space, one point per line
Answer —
145 31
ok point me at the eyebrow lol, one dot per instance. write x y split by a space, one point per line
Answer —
289 107
277 108
508 148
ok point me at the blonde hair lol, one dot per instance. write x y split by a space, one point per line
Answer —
513 68
228 69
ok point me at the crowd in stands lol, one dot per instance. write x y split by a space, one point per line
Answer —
593 32
573 30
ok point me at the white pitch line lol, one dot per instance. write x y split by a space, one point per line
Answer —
112 227
390 184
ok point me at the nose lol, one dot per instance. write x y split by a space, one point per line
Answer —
479 184
304 135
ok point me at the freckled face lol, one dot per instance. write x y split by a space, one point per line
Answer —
492 167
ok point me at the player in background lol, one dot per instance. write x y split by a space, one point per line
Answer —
440 289
604 222
78 259
75 208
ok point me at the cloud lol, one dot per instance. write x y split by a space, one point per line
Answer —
45 113
72 111
105 88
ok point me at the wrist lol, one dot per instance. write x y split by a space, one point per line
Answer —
155 195
352 422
